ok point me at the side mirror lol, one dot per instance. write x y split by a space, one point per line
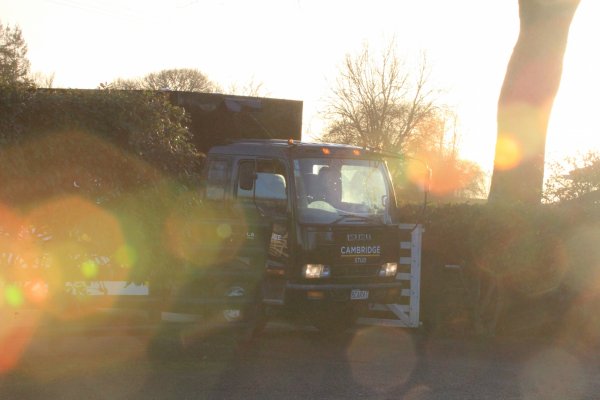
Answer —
247 177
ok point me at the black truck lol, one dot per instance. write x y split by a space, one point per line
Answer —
298 229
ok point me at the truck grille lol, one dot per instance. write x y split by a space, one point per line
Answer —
354 271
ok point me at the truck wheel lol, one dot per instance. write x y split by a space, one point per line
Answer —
234 312
250 314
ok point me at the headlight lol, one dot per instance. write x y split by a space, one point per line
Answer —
388 269
312 271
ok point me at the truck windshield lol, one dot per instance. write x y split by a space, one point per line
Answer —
334 190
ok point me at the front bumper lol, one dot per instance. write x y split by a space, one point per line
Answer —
301 293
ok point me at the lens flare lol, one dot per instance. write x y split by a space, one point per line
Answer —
224 231
82 240
508 152
522 133
67 234
81 358
553 374
13 296
89 269
36 291
13 342
76 220
197 234
126 256
367 360
417 172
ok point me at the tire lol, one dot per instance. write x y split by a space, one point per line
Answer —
235 313
250 315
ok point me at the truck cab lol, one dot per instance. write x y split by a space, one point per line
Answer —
312 223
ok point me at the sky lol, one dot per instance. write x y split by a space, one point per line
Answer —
295 48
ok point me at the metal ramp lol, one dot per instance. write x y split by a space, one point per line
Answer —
405 312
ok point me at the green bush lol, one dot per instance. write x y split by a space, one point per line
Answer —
537 256
89 179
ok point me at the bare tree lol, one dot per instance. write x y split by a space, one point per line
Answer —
252 88
530 86
437 142
124 84
376 104
41 80
178 79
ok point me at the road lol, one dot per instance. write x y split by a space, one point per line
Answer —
290 362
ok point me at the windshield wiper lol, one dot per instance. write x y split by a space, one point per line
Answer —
345 216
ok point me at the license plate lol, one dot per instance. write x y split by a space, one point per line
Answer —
357 294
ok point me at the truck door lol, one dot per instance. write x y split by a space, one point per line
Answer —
262 197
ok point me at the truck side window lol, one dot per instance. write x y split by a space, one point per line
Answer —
269 188
216 179
245 168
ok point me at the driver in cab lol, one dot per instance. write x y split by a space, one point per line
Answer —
330 186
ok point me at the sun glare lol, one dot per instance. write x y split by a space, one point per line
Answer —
573 125
508 152
13 295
